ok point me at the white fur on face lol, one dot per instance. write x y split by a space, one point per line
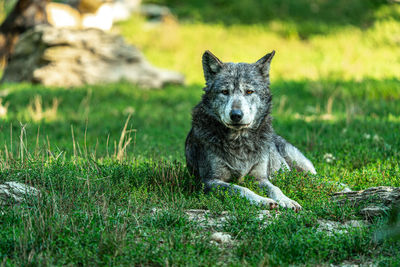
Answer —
241 102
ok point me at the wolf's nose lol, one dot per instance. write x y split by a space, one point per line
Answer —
236 115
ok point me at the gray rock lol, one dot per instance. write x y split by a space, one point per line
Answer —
377 200
14 193
69 57
332 227
205 219
221 238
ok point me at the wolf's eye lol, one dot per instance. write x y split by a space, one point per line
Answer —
249 92
225 92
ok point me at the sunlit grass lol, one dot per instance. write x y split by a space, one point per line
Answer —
347 54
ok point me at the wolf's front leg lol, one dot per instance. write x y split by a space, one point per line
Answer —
242 191
276 194
266 169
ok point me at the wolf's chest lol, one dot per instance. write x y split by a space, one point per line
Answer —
240 169
240 165
241 156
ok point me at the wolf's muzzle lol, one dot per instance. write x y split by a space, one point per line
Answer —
236 115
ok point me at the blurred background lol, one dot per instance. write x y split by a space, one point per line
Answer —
336 67
313 39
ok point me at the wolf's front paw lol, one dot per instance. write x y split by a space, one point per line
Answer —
287 203
268 202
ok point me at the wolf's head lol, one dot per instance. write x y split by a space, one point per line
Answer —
237 94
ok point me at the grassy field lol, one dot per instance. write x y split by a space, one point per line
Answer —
336 90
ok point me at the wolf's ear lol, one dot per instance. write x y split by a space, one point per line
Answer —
211 65
264 64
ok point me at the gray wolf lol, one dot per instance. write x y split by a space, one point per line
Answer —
232 134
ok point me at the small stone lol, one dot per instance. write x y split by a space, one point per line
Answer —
156 210
367 136
15 192
221 238
331 227
328 226
264 214
355 223
377 138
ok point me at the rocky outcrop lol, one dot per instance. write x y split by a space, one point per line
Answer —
15 193
204 218
375 201
68 57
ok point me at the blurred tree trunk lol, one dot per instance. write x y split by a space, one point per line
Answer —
25 15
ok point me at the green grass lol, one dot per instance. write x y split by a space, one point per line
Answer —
314 14
335 91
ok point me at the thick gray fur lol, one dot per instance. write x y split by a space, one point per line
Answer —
222 148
